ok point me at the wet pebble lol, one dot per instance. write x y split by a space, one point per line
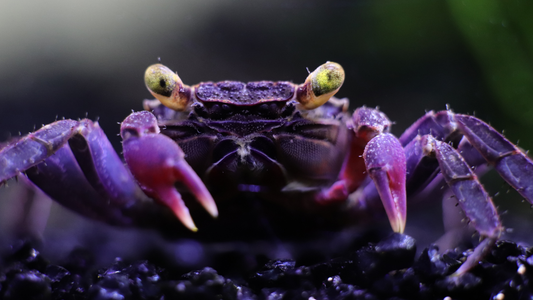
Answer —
386 270
27 285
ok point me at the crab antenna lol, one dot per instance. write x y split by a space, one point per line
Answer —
320 85
167 87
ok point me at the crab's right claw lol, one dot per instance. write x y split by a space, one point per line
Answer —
157 163
386 165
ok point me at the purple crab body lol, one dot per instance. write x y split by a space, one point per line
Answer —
224 147
249 152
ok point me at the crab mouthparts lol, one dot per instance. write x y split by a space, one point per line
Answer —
251 188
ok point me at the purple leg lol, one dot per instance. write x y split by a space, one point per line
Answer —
463 182
74 163
512 164
440 125
30 150
428 153
471 196
155 160
423 169
483 144
51 165
102 166
28 213
60 177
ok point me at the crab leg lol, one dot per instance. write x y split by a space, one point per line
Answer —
440 125
463 182
471 196
512 164
60 177
34 148
48 161
102 166
157 163
421 169
75 164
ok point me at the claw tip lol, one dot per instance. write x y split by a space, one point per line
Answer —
211 208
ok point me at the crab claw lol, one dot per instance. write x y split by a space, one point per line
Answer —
386 165
157 163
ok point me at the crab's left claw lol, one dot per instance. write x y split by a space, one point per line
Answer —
157 163
386 164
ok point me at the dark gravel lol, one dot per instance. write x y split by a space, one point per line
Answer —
386 270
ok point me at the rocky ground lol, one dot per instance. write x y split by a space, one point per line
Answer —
384 270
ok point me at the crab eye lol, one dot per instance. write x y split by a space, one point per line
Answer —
167 87
320 85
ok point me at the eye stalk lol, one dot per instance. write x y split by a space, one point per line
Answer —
167 87
320 85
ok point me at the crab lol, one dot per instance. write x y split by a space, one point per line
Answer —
294 147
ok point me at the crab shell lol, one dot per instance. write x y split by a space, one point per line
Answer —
252 138
253 144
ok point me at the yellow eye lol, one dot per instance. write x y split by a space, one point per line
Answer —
167 87
327 78
160 80
320 85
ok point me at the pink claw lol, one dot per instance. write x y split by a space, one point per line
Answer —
157 163
385 162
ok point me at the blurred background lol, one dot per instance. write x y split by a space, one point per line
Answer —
76 58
